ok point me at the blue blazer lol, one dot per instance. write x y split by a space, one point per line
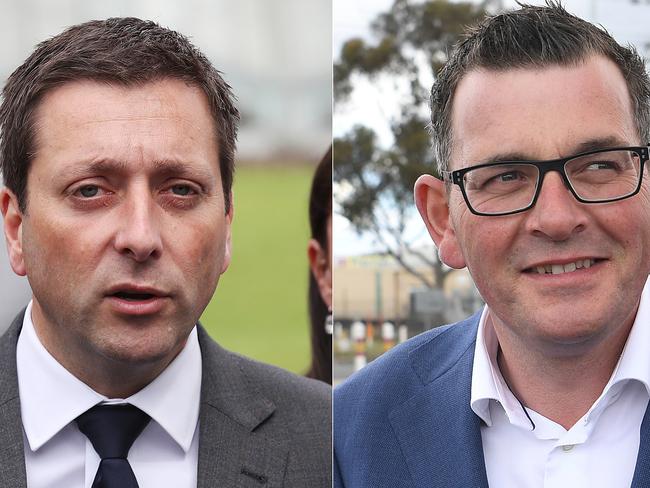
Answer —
405 419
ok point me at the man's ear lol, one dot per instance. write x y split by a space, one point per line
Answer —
431 201
320 268
228 230
13 227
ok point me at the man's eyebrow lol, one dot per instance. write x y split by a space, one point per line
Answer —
172 167
97 166
505 157
594 144
599 143
163 167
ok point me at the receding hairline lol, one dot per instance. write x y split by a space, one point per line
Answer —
121 85
126 86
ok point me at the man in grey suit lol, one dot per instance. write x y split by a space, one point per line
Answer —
117 154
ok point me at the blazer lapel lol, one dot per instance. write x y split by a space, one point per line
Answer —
438 432
12 454
642 471
231 451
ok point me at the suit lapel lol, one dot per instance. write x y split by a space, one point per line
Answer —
231 451
12 454
642 471
438 432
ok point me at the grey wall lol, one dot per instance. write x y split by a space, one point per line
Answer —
14 290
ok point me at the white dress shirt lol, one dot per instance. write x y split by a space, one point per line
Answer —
58 455
600 450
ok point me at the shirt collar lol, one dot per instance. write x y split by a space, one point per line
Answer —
487 382
634 363
172 399
635 360
489 385
483 388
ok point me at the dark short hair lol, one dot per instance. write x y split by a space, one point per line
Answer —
320 210
124 51
320 199
532 37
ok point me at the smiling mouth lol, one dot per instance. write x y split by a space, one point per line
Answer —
552 268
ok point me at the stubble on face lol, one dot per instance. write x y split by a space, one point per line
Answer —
125 200
541 114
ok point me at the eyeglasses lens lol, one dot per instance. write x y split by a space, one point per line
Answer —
594 177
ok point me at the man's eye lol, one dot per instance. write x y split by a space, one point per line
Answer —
509 176
89 191
601 165
181 190
505 179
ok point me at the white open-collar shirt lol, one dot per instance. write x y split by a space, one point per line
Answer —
58 455
600 450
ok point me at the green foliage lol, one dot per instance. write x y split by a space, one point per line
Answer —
260 306
410 36
431 28
380 183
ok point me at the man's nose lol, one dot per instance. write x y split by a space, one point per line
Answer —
138 231
557 215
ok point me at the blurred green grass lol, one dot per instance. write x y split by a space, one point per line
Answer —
260 306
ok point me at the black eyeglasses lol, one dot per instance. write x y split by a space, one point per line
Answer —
508 187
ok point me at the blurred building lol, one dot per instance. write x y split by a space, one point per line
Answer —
276 55
375 288
373 294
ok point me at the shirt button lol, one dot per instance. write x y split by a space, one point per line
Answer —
568 447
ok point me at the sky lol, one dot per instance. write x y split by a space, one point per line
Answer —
370 105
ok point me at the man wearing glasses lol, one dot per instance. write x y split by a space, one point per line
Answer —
540 123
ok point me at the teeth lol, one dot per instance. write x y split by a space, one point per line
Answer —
563 268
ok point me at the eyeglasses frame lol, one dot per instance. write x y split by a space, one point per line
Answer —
456 177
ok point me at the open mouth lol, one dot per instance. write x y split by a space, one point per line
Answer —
134 297
555 269
134 301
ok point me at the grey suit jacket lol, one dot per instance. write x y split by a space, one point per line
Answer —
260 426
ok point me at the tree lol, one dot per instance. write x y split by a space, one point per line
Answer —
411 38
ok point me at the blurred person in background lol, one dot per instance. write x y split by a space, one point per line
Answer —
117 152
319 252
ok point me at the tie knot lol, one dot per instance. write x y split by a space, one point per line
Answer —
112 429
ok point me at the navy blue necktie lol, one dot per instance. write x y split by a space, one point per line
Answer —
112 429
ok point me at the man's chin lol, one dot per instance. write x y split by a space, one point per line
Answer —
571 339
144 349
563 329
